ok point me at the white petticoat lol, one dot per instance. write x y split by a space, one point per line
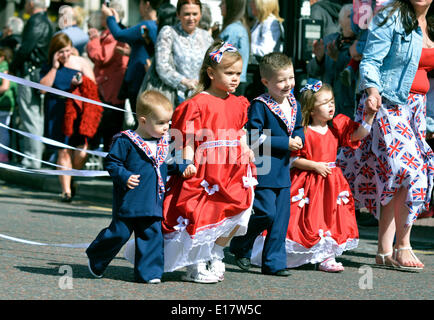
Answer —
297 255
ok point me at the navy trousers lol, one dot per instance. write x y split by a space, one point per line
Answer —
271 206
149 254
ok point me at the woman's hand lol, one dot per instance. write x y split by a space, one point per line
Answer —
373 102
93 33
77 79
56 63
124 50
106 11
191 84
318 49
333 51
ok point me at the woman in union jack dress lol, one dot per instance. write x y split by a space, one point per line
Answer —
392 172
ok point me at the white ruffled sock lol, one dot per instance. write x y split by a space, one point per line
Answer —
217 252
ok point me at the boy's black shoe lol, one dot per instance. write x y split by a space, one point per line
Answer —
280 273
93 273
243 263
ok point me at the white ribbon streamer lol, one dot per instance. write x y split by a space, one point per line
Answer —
64 245
32 158
182 224
72 172
53 142
300 197
343 197
58 92
211 190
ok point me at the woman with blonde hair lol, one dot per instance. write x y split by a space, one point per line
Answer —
267 32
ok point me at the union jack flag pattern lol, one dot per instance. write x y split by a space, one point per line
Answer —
397 150
158 159
277 110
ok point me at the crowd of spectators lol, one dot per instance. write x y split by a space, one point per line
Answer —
164 51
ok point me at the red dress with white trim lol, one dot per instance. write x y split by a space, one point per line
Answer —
219 197
322 221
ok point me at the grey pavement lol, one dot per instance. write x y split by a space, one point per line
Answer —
31 211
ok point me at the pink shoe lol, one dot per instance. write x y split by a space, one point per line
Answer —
330 265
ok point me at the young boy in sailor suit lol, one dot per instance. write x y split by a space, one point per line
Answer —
280 113
136 164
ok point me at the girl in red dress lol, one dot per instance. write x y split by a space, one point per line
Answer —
201 214
322 223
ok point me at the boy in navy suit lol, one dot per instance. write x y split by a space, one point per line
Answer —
136 164
278 114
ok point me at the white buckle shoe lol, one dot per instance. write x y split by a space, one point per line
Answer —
330 265
217 267
200 274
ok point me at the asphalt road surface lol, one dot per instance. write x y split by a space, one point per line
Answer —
30 271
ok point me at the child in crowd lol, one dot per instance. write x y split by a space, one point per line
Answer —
136 165
279 113
203 213
323 222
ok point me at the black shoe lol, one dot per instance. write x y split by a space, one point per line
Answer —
280 273
243 263
65 197
92 272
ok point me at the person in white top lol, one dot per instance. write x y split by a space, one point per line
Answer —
267 32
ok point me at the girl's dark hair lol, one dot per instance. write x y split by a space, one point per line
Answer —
166 15
180 3
408 16
235 11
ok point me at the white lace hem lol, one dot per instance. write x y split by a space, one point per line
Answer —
181 249
297 255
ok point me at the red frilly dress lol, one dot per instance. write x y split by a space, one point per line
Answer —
199 210
322 221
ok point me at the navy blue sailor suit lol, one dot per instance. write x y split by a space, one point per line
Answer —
270 128
137 210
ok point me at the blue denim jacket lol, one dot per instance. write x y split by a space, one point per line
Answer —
390 58
237 35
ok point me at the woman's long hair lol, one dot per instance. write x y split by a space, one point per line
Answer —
267 7
408 16
235 11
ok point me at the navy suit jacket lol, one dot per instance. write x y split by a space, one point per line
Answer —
140 51
261 118
126 159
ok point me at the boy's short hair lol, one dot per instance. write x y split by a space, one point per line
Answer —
273 62
149 100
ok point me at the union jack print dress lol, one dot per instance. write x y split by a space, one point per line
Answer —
394 155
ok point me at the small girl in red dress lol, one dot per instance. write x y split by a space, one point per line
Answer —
203 213
322 223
